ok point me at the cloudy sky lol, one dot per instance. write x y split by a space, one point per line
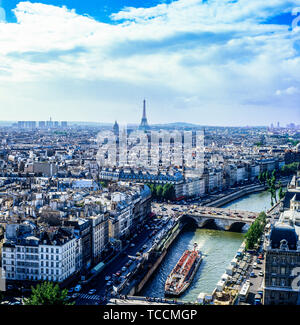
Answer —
210 62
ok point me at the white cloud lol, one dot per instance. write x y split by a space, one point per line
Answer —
288 91
215 53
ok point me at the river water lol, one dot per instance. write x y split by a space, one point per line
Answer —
219 247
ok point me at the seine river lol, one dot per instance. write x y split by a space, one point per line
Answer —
218 246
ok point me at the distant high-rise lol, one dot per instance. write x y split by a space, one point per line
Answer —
144 123
116 129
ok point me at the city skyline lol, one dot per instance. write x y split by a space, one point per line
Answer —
203 62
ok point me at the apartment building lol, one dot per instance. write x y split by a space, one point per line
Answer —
33 255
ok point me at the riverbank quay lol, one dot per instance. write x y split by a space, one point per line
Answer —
242 192
149 261
245 275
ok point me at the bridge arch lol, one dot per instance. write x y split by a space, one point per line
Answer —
236 226
188 221
210 223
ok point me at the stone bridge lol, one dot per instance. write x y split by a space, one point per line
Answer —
217 218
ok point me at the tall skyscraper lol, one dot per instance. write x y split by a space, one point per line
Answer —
116 129
144 123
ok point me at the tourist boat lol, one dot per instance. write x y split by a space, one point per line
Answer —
183 273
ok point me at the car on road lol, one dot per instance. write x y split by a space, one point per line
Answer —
129 263
92 291
78 288
107 278
257 299
132 245
75 295
16 303
124 268
71 290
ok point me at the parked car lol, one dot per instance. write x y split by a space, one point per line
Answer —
16 303
78 288
261 273
92 291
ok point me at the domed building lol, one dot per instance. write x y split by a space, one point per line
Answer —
283 233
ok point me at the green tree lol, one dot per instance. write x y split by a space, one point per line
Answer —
289 169
274 174
261 177
255 231
159 191
168 192
281 193
47 293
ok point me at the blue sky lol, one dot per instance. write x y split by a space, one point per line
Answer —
213 62
98 9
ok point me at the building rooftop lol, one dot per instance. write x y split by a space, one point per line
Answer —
283 231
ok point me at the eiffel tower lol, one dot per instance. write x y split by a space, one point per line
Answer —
144 126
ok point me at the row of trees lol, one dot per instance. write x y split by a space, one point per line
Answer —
270 180
289 169
165 192
255 231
